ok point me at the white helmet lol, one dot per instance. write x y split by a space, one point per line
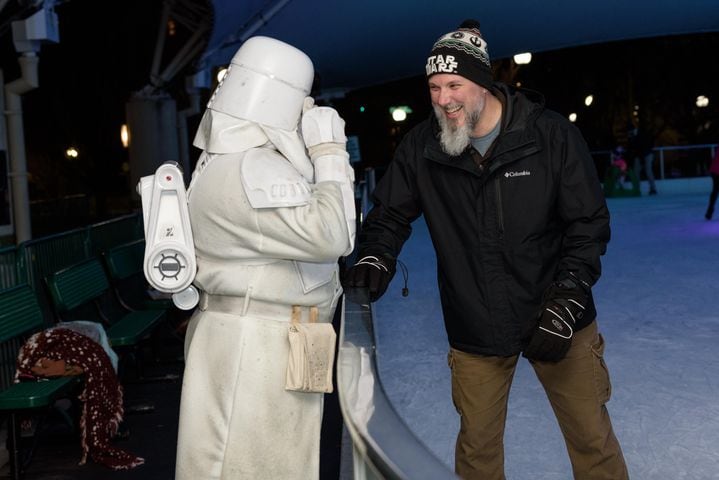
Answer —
266 82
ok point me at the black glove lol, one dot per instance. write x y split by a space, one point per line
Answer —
564 304
371 271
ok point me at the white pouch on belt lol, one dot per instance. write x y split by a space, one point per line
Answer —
312 354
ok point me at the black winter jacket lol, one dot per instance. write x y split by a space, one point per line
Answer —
502 233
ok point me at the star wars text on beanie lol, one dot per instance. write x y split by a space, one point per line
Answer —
462 52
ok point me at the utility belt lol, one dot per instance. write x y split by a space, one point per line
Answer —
312 343
247 305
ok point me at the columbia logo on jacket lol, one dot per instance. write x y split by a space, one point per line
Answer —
523 173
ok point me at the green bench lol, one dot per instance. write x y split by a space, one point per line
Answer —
21 316
82 292
125 268
124 265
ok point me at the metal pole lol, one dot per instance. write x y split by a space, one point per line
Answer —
16 139
160 43
661 163
258 21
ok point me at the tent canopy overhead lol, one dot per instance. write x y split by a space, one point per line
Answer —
355 44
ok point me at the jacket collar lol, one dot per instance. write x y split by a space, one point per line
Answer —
516 139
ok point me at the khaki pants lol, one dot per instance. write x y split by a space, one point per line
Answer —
577 388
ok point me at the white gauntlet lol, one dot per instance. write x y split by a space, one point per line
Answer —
323 131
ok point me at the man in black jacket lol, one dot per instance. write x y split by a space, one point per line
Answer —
518 220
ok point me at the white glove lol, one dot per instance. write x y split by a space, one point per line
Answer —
323 131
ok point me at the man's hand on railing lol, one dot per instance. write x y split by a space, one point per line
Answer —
372 271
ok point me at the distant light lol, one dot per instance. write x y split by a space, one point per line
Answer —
221 74
171 28
572 117
702 101
523 58
399 114
636 108
72 152
362 109
124 135
588 100
519 84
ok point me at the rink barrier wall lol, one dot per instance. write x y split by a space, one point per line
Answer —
383 446
676 162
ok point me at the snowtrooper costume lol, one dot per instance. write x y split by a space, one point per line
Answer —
269 224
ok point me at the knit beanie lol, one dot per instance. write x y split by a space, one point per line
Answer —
462 52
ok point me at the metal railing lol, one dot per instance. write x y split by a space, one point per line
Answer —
45 255
682 161
685 161
383 446
9 274
42 256
117 231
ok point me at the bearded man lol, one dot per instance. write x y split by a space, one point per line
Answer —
518 220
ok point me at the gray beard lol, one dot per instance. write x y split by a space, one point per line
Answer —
455 139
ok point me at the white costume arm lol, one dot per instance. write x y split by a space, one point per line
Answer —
233 215
323 133
316 232
312 228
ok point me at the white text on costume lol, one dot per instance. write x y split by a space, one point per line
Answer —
287 190
441 64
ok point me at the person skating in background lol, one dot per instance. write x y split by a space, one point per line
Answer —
641 151
620 165
714 172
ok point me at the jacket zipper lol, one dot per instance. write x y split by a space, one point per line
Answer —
500 213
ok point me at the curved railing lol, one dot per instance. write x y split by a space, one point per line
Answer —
382 444
671 162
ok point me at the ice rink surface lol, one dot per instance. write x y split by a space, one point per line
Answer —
658 304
